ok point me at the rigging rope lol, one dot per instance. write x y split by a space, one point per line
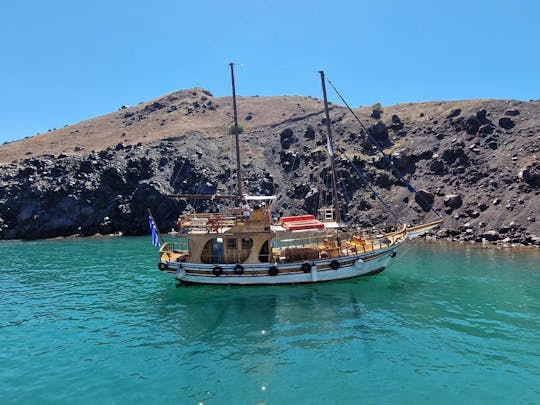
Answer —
178 173
380 149
366 181
273 67
173 183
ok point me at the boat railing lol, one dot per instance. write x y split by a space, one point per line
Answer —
188 223
216 222
331 245
174 247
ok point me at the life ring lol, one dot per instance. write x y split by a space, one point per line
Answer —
217 271
273 271
334 265
238 269
306 267
162 266
214 223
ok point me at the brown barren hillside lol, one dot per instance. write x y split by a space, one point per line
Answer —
176 113
477 160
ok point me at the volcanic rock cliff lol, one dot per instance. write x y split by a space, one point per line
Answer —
476 161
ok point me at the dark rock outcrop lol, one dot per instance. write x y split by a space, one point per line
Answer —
309 133
506 123
472 125
424 199
453 201
396 123
379 131
531 175
286 138
437 166
512 112
454 113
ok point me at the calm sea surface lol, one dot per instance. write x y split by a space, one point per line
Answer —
93 321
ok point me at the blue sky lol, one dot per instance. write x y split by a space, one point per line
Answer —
67 61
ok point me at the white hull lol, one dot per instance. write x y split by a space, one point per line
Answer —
287 273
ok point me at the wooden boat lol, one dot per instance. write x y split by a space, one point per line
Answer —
233 248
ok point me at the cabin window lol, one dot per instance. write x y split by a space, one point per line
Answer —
231 243
264 255
247 243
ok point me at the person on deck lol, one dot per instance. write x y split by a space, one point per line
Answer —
246 210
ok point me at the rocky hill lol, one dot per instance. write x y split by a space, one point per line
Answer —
476 160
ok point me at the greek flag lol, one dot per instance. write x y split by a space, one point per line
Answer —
153 232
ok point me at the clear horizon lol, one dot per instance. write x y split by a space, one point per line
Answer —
66 62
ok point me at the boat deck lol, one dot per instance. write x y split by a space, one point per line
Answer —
298 247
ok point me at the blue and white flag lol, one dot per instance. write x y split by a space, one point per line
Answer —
153 232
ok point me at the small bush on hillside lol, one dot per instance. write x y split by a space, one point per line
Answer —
230 130
377 110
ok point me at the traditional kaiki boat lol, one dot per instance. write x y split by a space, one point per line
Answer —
244 246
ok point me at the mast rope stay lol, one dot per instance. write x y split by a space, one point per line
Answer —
380 149
368 183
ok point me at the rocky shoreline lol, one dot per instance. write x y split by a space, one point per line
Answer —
475 161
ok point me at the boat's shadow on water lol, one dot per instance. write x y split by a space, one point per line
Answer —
318 314
205 313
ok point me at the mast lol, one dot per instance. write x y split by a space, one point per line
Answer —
237 138
330 145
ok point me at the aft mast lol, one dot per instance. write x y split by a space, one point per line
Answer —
240 190
330 145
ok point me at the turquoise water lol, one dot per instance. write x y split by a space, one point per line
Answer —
94 321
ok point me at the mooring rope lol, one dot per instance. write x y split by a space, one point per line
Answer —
412 245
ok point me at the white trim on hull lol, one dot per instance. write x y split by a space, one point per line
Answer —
288 273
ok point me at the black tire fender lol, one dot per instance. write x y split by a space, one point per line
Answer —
162 266
217 271
306 267
334 265
273 271
239 269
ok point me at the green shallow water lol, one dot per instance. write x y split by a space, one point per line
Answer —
93 321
